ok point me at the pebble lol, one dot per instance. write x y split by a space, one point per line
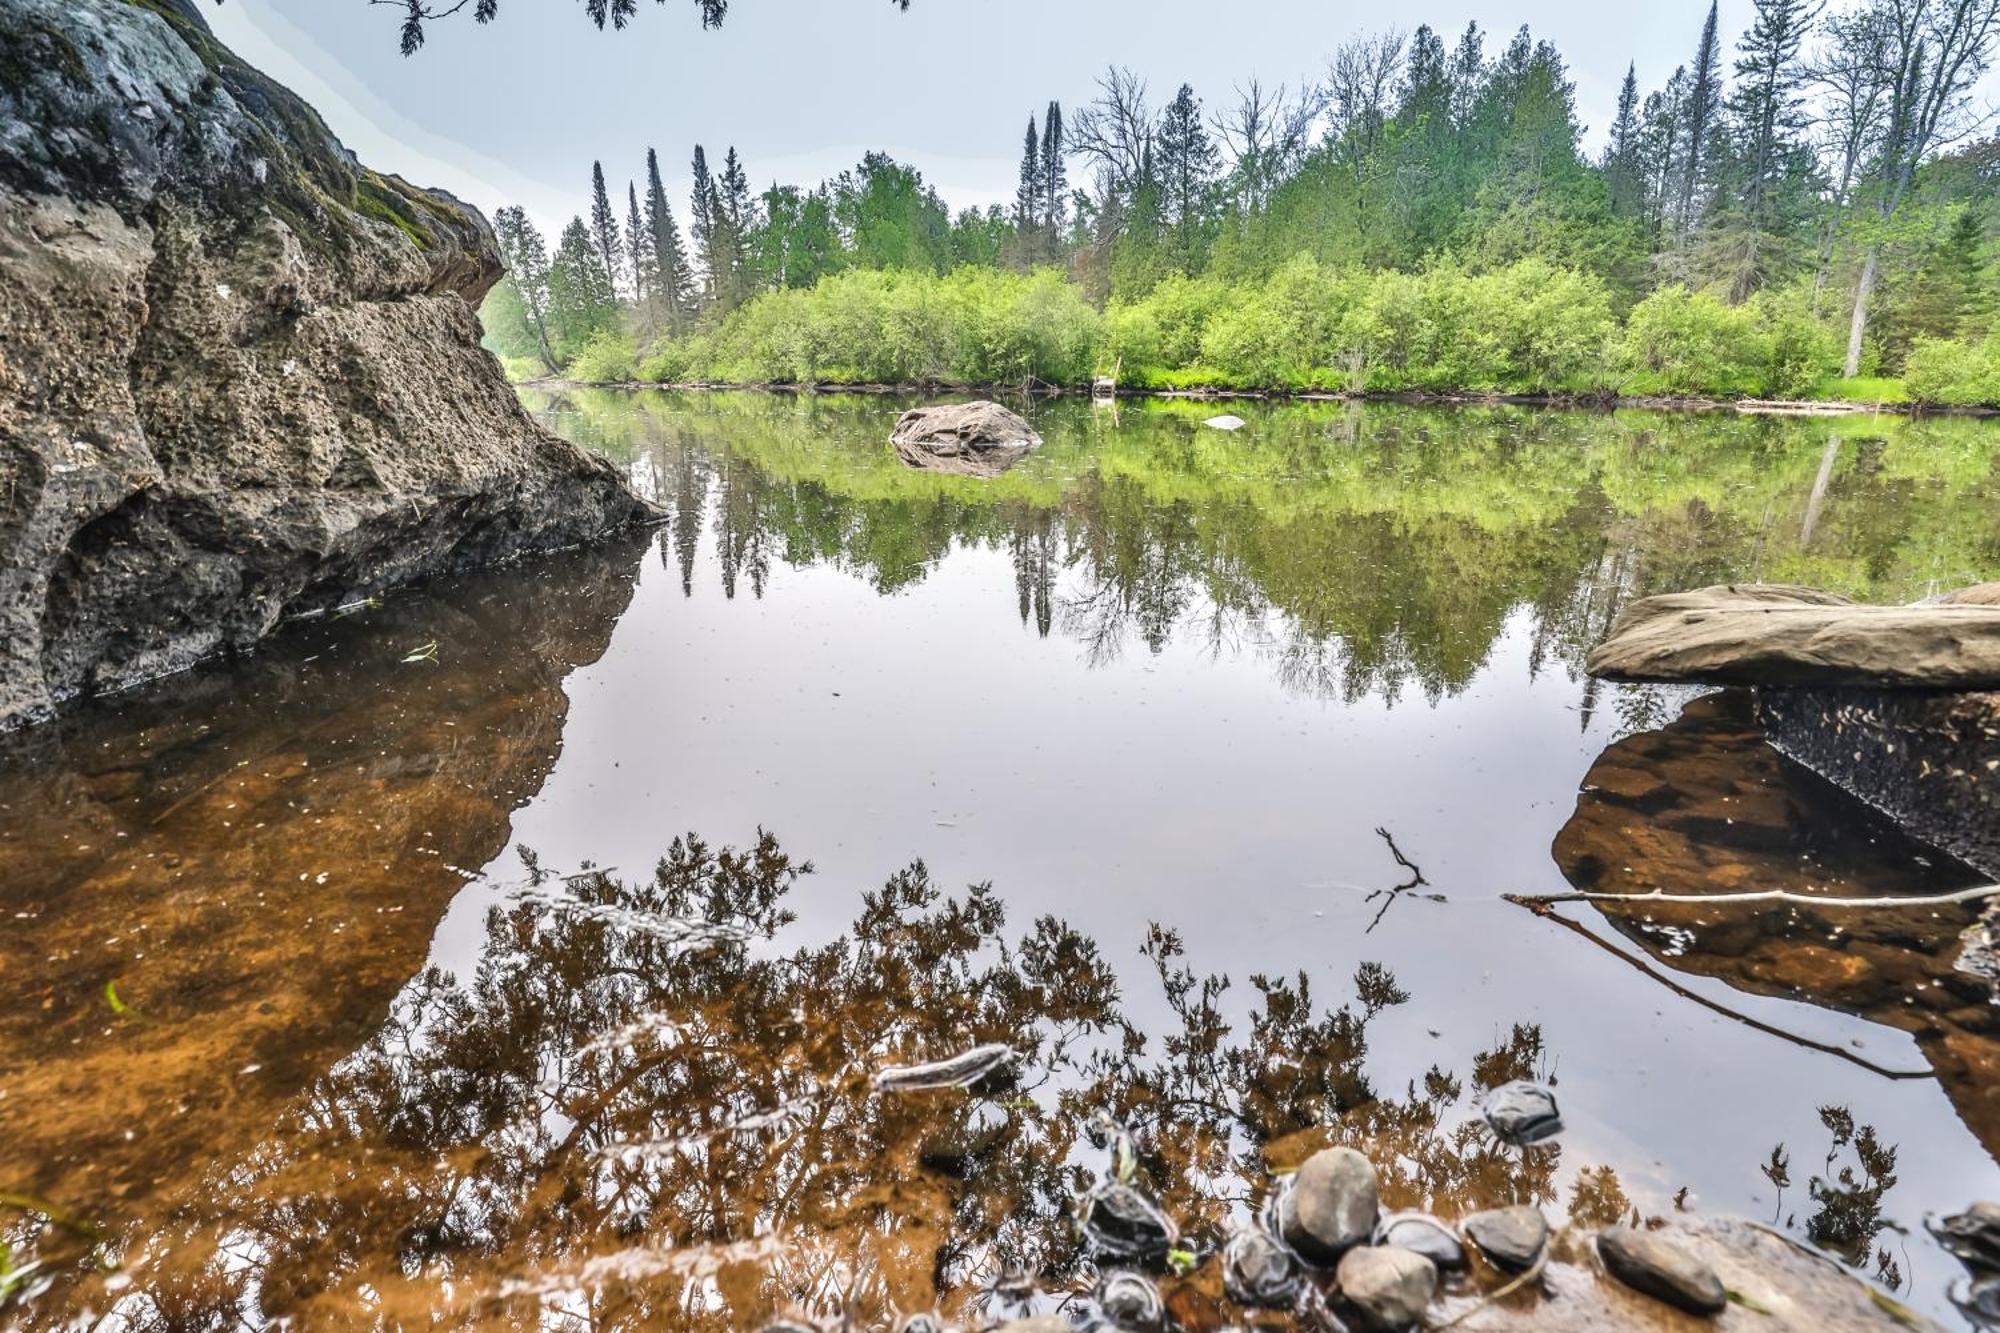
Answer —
1522 1112
1258 1270
1661 1269
1389 1286
1512 1238
1330 1206
1423 1234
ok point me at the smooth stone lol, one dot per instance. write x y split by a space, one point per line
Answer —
1225 422
1390 1286
1662 1270
1423 1234
1512 1238
1130 1300
1257 1269
1331 1205
1522 1112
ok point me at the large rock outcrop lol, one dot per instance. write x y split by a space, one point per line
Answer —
239 372
979 439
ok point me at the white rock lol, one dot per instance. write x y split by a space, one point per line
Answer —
1226 422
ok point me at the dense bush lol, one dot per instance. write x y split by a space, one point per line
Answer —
1954 373
1528 327
608 358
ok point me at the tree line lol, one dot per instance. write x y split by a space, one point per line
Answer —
1829 173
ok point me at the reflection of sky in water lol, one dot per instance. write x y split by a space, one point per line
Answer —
1191 787
1211 784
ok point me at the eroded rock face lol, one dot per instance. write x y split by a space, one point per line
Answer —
239 373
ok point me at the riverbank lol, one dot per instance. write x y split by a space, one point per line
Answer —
1831 407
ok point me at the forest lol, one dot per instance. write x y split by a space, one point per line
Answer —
1811 211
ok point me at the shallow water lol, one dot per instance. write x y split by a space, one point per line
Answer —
306 1010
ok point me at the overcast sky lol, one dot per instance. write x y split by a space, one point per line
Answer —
515 112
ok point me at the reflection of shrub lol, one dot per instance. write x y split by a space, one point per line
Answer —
1948 373
608 358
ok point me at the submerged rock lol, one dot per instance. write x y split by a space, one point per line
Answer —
1522 1112
1131 1300
1225 422
1511 1238
1972 1237
1258 1270
1661 1269
1422 1234
1330 1206
960 1071
1121 1222
1777 634
1388 1285
978 439
240 374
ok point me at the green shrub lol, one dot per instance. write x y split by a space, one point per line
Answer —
607 358
1944 372
1694 342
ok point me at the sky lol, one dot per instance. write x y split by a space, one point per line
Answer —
514 112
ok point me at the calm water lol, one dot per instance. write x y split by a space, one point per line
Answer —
458 953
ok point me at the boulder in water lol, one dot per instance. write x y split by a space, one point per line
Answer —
1330 1206
979 439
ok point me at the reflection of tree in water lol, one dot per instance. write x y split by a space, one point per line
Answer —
1359 551
641 1110
1846 1193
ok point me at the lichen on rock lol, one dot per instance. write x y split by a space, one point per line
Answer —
240 373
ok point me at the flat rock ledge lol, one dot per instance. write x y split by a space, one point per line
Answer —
240 373
1780 635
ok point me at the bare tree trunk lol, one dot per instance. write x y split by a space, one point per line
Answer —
1859 328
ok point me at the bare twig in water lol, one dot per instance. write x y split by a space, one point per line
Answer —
1539 900
1394 891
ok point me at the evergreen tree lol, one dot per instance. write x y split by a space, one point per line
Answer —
527 259
735 215
1699 119
668 281
1055 177
1186 165
604 226
582 301
1623 170
1753 224
1029 193
705 210
638 245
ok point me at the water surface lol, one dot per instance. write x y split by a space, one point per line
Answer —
405 966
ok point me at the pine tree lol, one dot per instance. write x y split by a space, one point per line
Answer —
638 245
1186 165
668 282
1029 194
1623 174
581 298
736 215
1704 99
1055 182
604 226
702 228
